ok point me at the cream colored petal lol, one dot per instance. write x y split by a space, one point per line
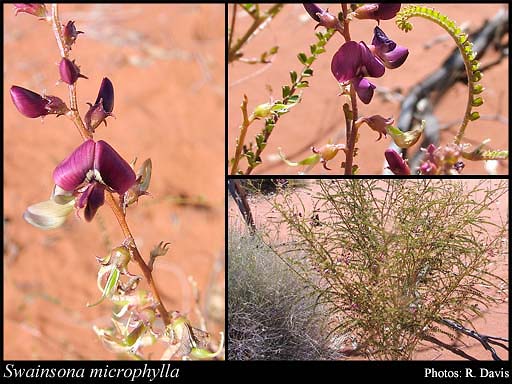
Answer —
48 214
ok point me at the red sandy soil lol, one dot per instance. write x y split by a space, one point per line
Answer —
167 66
318 117
494 321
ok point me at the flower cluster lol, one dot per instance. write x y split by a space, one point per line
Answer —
353 62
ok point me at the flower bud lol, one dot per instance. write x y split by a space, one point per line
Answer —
120 257
103 106
30 104
38 10
69 71
70 33
262 110
377 11
324 18
397 164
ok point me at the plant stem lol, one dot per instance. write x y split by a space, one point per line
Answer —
232 27
116 209
247 121
233 52
353 129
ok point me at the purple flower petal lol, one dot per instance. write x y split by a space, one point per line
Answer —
346 61
72 171
69 71
30 104
364 89
92 198
370 65
33 8
391 54
377 11
395 58
381 42
313 9
106 95
115 172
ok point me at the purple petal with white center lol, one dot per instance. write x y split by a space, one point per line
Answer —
115 172
30 104
71 172
370 65
346 61
364 89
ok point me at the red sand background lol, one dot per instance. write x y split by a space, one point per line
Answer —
318 117
167 66
494 321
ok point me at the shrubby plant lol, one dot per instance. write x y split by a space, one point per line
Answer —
397 262
95 173
353 66
272 315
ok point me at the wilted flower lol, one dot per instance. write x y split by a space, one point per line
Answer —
377 11
38 10
69 71
89 170
103 106
397 164
328 152
70 33
52 213
377 123
354 61
324 18
31 104
391 54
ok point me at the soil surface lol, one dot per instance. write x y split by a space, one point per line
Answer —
493 322
167 66
319 118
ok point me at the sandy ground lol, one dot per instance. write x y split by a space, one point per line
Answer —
494 321
318 117
167 66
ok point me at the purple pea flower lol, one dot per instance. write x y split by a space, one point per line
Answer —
89 170
391 54
102 107
377 11
354 61
324 18
31 104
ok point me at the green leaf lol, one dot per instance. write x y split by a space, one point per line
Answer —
286 91
307 72
320 50
273 50
303 84
294 99
312 48
310 60
279 107
293 76
302 58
